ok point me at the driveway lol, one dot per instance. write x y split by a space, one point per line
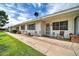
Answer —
49 46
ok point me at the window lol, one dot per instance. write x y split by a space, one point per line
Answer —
60 25
56 26
64 25
31 27
47 27
23 27
17 28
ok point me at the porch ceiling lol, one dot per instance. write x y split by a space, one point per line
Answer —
59 16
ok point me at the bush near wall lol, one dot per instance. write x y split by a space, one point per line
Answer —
14 31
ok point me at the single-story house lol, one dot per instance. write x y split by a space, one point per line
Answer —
51 25
2 29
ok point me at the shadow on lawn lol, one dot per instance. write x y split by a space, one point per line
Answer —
2 36
2 48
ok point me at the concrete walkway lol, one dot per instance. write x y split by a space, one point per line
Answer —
49 46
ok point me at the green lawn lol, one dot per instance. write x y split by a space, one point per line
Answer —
10 46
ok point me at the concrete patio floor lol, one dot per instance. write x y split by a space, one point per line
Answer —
49 46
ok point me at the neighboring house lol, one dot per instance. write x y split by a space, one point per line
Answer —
2 29
51 25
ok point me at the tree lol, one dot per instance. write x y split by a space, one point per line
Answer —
3 18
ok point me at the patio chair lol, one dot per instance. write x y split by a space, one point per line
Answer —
61 35
18 32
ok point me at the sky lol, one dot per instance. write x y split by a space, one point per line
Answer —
21 12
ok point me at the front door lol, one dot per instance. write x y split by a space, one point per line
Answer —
77 26
47 29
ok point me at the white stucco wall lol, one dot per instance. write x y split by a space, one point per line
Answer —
13 28
63 17
19 27
66 32
38 28
23 31
9 29
37 31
